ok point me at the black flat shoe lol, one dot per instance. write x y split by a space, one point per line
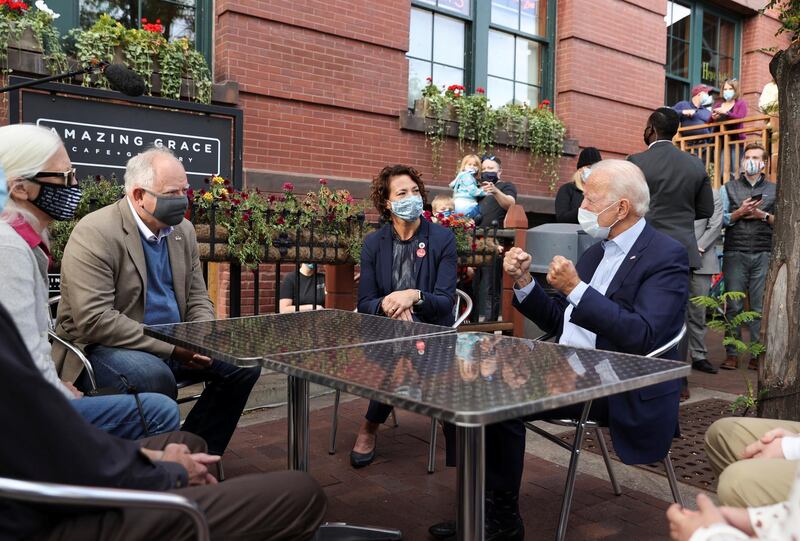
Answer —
704 366
446 531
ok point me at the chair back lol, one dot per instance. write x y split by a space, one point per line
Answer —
82 496
461 315
669 345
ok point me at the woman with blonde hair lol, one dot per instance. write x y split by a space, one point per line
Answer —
42 188
570 195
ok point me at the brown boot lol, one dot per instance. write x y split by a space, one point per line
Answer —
731 362
754 362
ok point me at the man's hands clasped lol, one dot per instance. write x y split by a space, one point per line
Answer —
561 274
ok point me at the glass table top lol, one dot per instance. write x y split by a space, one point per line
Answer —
476 378
244 341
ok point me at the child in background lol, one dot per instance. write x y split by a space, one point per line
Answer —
465 187
441 204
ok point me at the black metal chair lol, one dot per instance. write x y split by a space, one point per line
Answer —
462 309
581 426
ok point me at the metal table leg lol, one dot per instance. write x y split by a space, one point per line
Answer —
471 476
298 423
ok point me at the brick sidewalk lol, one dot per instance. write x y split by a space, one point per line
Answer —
396 491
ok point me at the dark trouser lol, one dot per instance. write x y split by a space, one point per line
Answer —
505 444
745 272
215 415
378 412
487 289
284 505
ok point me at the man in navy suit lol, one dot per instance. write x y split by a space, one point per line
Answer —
628 294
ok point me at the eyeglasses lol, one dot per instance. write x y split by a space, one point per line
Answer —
68 176
488 157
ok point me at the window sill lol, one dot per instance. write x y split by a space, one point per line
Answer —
411 122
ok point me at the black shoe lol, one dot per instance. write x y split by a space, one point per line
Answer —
704 366
515 531
359 460
443 530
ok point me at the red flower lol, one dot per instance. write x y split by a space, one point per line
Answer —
280 220
246 217
474 247
227 182
271 198
349 198
144 20
323 182
426 214
331 217
288 186
429 79
244 196
545 104
202 192
480 90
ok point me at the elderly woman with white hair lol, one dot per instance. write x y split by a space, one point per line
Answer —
42 188
627 293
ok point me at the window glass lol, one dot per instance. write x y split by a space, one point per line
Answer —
420 39
717 52
458 6
528 61
177 16
447 34
679 59
526 93
506 13
501 54
499 91
676 91
436 50
528 16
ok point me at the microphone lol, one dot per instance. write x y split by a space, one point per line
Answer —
123 79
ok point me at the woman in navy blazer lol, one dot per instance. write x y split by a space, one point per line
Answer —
408 272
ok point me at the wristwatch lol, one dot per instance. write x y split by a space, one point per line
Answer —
766 217
421 298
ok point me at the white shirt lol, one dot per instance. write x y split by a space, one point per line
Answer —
616 251
658 141
145 231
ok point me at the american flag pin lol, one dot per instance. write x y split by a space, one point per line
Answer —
633 257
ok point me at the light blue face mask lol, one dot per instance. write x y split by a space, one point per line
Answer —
3 189
408 209
706 100
311 266
728 95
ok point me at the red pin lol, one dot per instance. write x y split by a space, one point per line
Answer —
421 347
421 250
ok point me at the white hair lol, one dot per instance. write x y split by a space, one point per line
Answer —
24 150
139 171
624 180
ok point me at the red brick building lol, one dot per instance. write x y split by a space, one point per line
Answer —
324 85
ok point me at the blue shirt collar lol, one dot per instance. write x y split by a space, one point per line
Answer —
625 240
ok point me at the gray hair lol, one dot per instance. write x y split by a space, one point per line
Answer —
139 171
24 150
625 181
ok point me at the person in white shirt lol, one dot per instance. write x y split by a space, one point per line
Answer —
754 459
777 522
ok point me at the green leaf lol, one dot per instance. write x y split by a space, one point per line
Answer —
732 296
744 317
706 302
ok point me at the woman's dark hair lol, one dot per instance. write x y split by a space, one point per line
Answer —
380 186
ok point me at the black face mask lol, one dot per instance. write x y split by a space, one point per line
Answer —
489 176
57 201
170 209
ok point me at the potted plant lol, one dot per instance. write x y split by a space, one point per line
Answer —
31 29
477 121
473 250
545 141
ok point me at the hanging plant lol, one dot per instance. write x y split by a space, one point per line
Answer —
141 47
16 17
179 57
436 114
98 43
477 122
546 141
513 118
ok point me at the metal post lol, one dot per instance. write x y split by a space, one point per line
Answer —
471 472
298 423
569 489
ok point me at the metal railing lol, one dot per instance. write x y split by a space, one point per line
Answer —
723 145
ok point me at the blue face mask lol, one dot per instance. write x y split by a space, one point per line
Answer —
447 213
408 209
728 95
3 189
311 266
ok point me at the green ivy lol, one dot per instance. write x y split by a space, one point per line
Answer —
98 43
788 15
477 122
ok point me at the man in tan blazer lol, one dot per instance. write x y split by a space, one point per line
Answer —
135 263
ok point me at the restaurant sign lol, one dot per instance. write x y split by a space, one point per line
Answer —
101 136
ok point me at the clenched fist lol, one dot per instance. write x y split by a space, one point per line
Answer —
517 263
562 275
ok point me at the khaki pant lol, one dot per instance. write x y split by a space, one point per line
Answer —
753 482
285 505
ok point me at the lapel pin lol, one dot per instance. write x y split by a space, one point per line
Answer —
422 245
633 257
421 250
177 237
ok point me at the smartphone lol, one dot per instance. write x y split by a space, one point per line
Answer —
757 197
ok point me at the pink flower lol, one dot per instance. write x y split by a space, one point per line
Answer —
272 198
288 186
474 247
280 220
349 198
323 182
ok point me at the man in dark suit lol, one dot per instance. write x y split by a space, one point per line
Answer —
48 441
680 191
628 294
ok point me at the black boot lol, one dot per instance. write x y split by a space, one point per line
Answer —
503 522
